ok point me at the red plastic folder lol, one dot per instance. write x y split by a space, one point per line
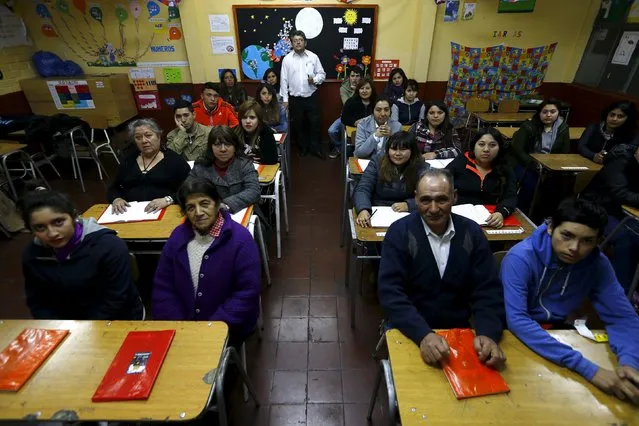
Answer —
26 354
135 367
466 374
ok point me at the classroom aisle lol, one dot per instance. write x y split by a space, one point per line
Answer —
311 367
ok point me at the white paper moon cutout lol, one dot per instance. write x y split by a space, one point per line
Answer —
310 21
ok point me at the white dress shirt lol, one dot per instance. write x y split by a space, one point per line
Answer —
440 246
296 68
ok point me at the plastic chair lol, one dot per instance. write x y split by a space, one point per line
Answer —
76 134
508 105
278 187
475 105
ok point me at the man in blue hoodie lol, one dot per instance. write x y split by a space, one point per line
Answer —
548 276
437 271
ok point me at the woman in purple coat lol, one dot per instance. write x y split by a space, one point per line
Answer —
210 267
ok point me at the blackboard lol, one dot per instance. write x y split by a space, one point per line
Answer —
262 34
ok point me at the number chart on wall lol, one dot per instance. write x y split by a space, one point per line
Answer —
342 36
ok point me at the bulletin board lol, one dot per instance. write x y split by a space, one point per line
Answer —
341 35
109 36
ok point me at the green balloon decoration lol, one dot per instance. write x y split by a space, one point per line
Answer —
121 14
62 6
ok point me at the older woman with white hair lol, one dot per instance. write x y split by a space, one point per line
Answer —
152 173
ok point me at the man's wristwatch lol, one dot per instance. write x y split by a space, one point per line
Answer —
169 199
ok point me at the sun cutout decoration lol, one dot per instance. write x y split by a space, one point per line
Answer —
350 17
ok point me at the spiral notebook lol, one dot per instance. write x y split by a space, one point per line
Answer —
134 213
479 214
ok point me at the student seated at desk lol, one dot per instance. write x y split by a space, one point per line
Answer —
209 269
229 169
390 179
436 136
212 110
258 139
545 133
360 105
396 85
482 176
618 125
437 271
274 112
408 109
150 174
189 138
615 185
232 91
346 91
550 274
271 77
373 131
74 269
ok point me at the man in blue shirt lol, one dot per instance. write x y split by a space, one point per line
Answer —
548 276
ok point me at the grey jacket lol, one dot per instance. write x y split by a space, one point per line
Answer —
240 186
366 146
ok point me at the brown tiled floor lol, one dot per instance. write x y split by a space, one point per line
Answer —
310 367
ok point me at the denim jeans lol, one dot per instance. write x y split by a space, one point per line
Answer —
335 133
626 244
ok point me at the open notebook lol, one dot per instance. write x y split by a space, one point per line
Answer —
439 164
479 214
134 213
383 217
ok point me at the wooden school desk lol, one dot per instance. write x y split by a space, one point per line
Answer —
69 377
271 175
574 132
541 393
358 238
266 173
559 163
502 117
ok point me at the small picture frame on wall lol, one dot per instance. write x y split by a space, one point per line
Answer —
516 6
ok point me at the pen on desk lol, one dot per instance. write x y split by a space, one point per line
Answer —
374 211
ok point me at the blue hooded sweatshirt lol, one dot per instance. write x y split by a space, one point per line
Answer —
540 289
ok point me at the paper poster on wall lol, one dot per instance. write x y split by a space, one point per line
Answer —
337 21
219 23
351 43
223 45
366 20
172 75
12 29
71 94
342 30
452 11
147 101
144 84
141 73
626 48
358 30
383 67
469 10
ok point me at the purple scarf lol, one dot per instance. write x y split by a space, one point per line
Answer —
75 241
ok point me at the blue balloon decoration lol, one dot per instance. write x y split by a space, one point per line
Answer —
153 7
42 11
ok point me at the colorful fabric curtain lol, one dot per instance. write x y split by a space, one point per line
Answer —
501 72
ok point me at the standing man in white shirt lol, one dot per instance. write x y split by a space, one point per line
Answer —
437 271
301 73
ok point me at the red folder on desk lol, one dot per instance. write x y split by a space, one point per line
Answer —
25 355
466 374
509 221
135 367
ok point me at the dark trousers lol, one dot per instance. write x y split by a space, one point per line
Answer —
305 113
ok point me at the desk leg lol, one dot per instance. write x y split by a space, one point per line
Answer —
342 211
260 242
5 170
540 171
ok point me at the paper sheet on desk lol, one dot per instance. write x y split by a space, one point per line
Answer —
278 136
383 217
362 164
439 164
134 213
240 217
477 213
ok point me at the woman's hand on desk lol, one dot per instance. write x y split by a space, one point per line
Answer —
489 352
429 156
119 206
611 383
496 220
156 205
364 219
400 207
